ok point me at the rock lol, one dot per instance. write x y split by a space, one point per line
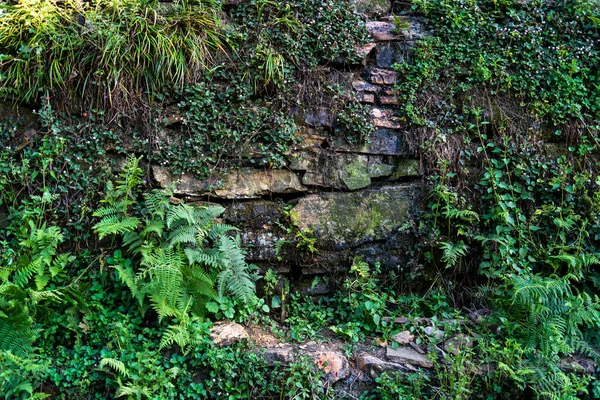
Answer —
319 117
382 142
284 355
458 342
389 100
253 214
373 8
260 244
248 183
227 333
364 50
334 364
409 356
374 366
404 337
187 184
390 53
384 118
435 332
383 76
368 98
349 219
577 364
346 171
382 31
406 168
243 183
363 86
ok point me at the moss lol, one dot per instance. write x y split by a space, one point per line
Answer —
356 175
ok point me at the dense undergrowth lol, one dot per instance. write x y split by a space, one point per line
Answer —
109 289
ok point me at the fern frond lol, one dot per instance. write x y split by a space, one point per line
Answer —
116 365
114 225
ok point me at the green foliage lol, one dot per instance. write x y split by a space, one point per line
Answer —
81 52
178 252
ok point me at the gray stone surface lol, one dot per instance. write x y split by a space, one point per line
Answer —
409 356
348 219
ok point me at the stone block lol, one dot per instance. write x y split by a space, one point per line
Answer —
385 118
379 76
389 100
391 53
382 31
382 142
344 220
363 86
248 183
243 183
368 98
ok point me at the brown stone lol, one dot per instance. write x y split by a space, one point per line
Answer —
383 118
383 76
389 100
334 364
404 337
227 333
364 50
366 98
382 31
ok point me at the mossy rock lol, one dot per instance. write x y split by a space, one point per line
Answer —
342 220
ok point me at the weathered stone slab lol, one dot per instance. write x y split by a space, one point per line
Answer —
375 366
349 219
346 170
409 356
243 183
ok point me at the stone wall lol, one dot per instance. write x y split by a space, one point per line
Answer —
352 198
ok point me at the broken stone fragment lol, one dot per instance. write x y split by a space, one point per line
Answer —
409 356
435 332
227 333
284 355
374 366
404 337
334 364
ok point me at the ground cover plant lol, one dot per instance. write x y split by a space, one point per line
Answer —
109 288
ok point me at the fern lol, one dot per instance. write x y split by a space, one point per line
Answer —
177 252
236 277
